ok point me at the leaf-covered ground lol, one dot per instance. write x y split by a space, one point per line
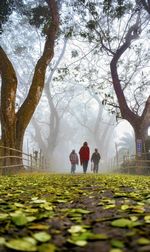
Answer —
46 213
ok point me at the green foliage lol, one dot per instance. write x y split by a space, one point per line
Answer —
21 245
117 8
6 8
42 236
38 16
19 218
117 243
124 223
91 24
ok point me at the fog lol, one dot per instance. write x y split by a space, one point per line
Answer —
77 125
71 110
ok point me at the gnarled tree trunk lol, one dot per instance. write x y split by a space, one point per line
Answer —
15 123
140 123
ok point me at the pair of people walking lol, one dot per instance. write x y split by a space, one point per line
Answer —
84 154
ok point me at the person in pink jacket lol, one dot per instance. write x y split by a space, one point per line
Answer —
74 160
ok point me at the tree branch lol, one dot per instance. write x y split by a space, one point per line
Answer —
132 34
28 107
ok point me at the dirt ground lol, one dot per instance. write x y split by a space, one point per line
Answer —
75 213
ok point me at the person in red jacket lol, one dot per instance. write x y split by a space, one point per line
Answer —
84 156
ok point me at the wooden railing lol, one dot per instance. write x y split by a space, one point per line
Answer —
133 164
23 161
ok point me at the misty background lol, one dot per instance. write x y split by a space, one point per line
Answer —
71 110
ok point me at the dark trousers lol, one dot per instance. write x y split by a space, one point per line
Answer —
95 168
73 168
85 165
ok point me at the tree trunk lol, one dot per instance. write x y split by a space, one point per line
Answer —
12 161
14 124
141 137
140 123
